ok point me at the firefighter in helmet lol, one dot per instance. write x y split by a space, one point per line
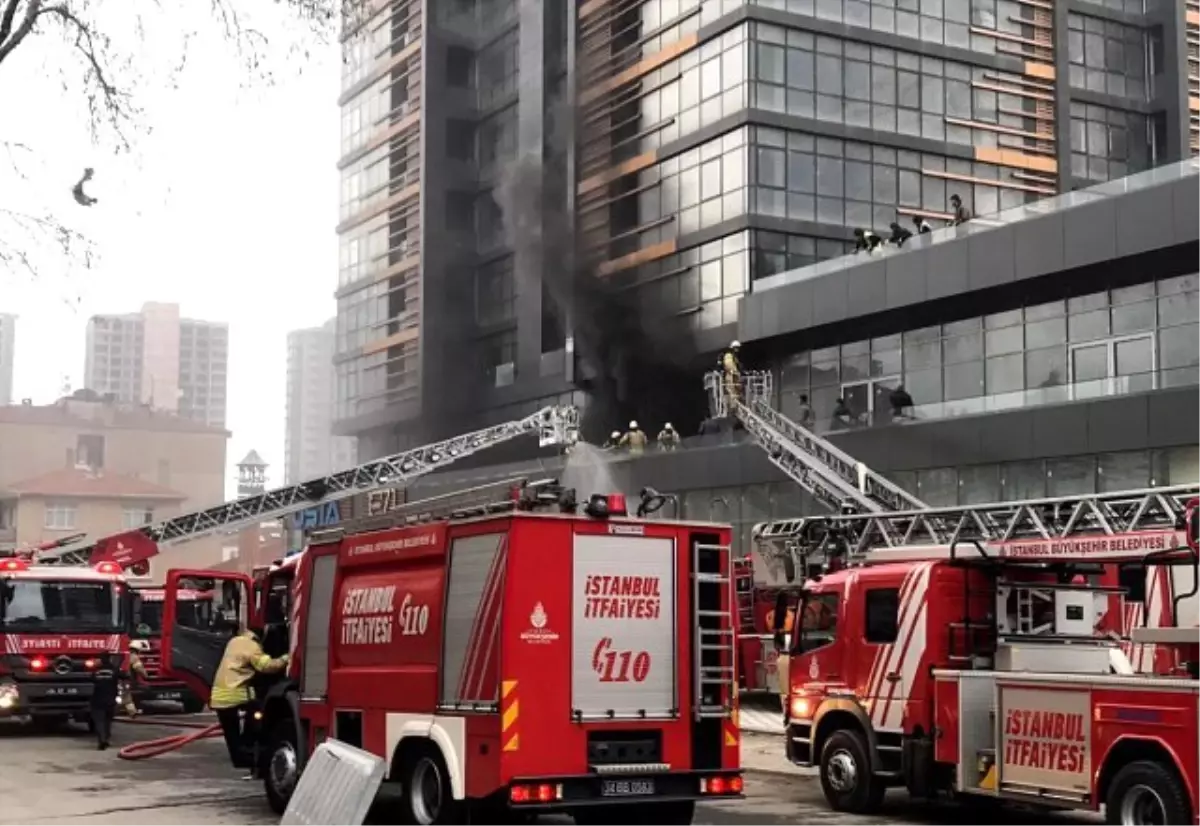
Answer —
137 671
232 694
731 374
614 440
668 437
634 438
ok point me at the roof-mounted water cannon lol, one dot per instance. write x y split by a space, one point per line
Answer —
605 505
653 502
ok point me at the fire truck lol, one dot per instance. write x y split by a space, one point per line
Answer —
972 651
58 627
146 626
534 653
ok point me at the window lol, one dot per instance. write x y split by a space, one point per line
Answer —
460 210
60 516
818 622
495 292
135 517
883 615
459 63
89 450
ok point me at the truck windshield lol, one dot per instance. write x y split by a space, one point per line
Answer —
148 615
60 606
818 621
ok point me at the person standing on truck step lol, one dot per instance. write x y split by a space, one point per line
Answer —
232 695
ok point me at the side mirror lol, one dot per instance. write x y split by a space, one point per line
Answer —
1193 516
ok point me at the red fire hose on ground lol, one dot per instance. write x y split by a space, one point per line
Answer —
162 745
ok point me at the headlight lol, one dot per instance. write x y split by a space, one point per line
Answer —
9 695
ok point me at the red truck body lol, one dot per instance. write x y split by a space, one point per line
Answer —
544 662
58 626
147 612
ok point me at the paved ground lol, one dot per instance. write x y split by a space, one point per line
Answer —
61 778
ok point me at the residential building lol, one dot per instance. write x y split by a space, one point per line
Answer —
93 465
157 358
311 450
8 346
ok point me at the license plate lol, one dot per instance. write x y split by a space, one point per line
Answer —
61 692
170 695
626 788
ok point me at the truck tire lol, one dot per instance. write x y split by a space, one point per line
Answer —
427 798
846 777
281 765
1146 791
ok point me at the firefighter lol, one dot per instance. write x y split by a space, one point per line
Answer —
232 694
137 671
634 438
614 440
668 438
106 693
731 369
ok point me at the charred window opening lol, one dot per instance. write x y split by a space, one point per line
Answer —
460 67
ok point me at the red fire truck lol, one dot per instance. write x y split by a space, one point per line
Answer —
948 652
58 626
530 654
146 627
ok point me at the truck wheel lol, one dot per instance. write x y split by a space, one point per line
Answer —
846 776
427 797
1146 792
281 765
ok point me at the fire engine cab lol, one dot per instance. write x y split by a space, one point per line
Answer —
972 657
146 628
58 626
535 654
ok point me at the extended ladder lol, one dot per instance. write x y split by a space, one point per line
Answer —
830 474
1105 527
554 425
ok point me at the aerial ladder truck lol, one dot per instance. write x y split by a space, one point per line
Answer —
979 652
1161 596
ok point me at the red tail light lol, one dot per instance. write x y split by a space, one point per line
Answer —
535 793
38 664
721 785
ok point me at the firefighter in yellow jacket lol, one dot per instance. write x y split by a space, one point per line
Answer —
731 378
634 439
232 693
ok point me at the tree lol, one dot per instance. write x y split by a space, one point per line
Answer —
103 51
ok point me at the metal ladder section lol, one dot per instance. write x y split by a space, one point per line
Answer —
831 475
1065 517
554 426
743 587
713 634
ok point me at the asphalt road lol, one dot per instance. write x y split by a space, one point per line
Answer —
62 778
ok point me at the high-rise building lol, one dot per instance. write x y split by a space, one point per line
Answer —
311 449
8 342
155 357
697 149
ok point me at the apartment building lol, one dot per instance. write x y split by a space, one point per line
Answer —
311 449
157 358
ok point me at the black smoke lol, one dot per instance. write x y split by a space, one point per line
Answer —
631 363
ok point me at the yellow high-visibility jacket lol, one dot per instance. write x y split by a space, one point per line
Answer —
243 657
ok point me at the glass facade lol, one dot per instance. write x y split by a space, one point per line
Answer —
1113 342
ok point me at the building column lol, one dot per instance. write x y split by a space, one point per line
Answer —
527 193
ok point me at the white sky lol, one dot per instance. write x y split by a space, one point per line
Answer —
228 208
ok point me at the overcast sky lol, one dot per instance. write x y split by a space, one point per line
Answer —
228 208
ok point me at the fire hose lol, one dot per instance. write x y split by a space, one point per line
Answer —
162 745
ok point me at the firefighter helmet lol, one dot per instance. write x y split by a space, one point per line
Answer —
735 345
616 434
633 425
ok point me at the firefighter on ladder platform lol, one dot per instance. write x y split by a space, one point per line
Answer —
232 693
731 375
